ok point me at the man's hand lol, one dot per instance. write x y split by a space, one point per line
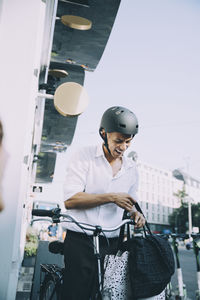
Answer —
138 218
126 202
123 200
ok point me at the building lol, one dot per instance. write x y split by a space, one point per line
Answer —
156 193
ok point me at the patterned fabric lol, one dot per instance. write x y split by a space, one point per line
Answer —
116 284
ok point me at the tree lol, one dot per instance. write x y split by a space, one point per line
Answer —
181 194
179 218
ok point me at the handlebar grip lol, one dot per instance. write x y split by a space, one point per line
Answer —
195 235
180 235
43 213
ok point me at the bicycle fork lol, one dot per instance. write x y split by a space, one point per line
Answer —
180 282
196 244
198 284
101 293
97 254
182 293
99 266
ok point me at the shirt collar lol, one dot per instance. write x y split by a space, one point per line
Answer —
126 162
99 150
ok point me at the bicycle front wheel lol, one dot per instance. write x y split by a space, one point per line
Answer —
50 289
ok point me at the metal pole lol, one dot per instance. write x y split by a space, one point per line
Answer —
189 202
46 96
176 223
189 218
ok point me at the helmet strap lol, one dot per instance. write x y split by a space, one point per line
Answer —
105 140
106 143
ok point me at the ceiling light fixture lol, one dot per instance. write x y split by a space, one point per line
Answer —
70 99
58 73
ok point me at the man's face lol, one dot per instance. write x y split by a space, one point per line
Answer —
118 143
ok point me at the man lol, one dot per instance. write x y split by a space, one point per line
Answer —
100 184
53 230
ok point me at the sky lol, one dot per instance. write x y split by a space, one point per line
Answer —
151 65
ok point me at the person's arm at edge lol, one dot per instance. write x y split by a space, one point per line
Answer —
1 204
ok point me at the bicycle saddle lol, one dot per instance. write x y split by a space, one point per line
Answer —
56 247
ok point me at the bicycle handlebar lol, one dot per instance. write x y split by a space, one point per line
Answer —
184 236
43 213
56 212
195 235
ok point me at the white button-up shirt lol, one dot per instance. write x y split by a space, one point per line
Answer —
89 171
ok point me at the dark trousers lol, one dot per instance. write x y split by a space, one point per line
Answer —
81 276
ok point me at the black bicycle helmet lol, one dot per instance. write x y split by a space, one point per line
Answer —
119 119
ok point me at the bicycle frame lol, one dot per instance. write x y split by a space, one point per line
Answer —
196 248
97 230
55 272
55 214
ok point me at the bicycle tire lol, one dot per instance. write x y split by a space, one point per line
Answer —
50 289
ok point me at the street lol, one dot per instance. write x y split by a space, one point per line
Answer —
188 266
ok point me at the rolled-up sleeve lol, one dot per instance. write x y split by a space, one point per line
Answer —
76 175
133 191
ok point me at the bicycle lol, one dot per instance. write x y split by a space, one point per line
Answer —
51 276
196 249
181 292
